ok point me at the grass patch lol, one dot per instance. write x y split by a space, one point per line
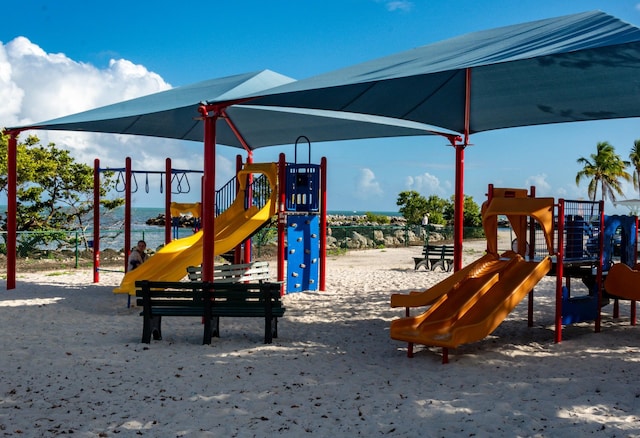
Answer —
58 273
336 251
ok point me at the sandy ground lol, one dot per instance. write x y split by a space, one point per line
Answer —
72 363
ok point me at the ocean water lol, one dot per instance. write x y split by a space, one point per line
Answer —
362 213
112 226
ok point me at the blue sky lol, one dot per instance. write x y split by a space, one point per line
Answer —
65 56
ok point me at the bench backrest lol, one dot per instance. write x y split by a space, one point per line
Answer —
238 273
192 294
438 250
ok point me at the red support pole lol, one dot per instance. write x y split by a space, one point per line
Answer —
12 207
559 271
237 251
532 240
323 224
599 277
632 304
247 243
489 198
467 106
127 212
167 200
282 219
96 221
458 214
234 129
208 194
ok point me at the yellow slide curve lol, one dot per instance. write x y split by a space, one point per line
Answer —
469 305
231 227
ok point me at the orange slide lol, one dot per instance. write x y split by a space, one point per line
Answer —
474 305
623 282
469 305
231 228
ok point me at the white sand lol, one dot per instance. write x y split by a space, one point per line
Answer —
72 363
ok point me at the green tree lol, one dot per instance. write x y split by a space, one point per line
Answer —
413 206
471 216
54 192
436 207
604 168
634 158
376 218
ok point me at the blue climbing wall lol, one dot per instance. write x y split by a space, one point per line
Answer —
303 250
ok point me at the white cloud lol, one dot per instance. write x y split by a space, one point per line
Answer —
36 86
399 5
427 184
54 85
540 183
11 95
366 185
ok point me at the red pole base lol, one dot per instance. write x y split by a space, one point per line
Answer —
445 355
410 350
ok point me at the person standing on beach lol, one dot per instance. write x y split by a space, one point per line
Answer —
138 255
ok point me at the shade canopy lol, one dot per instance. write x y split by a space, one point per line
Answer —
186 113
572 68
632 204
174 114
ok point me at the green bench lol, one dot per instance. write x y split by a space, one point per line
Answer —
210 301
435 256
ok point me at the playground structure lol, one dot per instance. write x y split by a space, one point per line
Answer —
127 184
565 239
232 227
299 203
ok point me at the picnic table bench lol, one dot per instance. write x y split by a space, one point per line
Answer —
434 256
230 273
210 301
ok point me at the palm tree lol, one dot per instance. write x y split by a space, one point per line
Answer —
604 168
634 157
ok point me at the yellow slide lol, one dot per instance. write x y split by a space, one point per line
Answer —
231 227
475 304
623 282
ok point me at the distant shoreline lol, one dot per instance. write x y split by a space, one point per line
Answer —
332 220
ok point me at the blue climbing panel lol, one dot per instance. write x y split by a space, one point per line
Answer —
579 309
303 187
619 239
303 250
